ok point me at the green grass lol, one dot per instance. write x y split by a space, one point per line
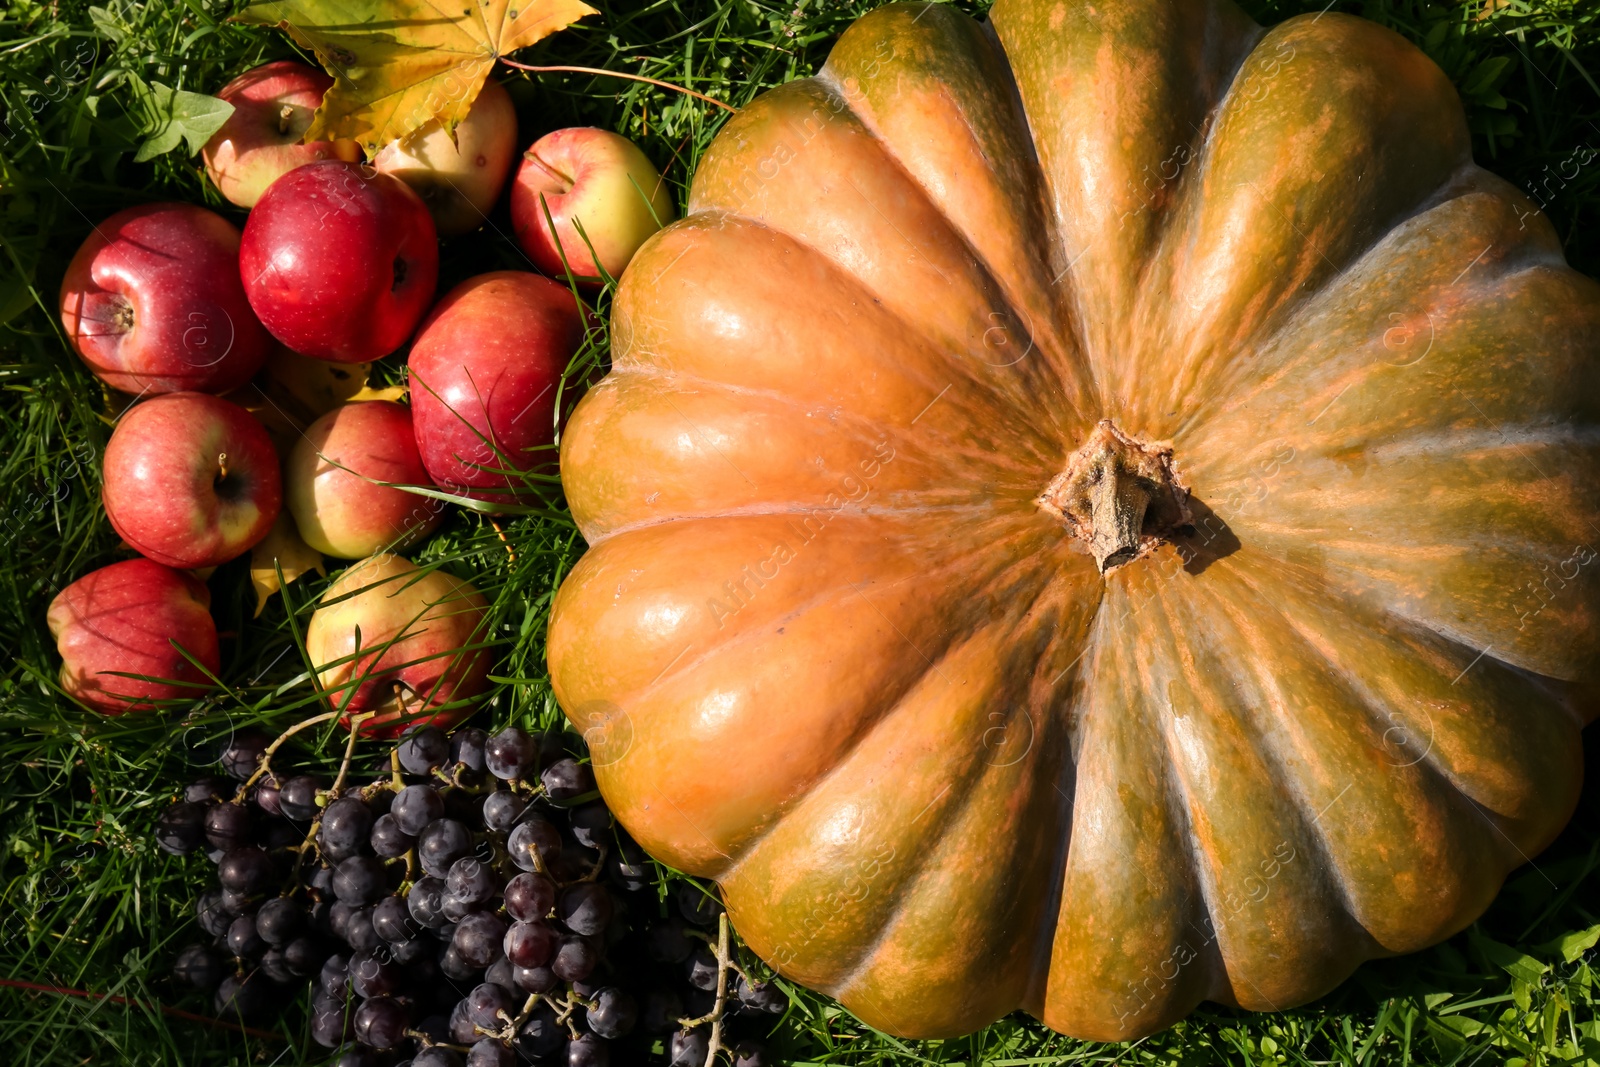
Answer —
85 900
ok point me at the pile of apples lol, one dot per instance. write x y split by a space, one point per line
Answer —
338 261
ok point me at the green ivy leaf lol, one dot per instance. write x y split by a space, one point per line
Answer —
1572 945
180 116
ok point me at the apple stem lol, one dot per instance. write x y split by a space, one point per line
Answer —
222 466
284 116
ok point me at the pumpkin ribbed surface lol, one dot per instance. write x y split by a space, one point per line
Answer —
836 645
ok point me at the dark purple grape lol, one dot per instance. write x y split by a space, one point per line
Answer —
297 797
426 902
243 939
612 1013
237 901
339 919
451 963
266 795
701 969
662 1010
591 824
461 1029
359 880
486 1002
478 938
456 909
695 905
471 881
320 882
567 779
445 932
761 996
510 754
424 748
588 987
585 908
279 920
501 810
213 913
335 976
388 840
410 953
491 1053
437 1056
181 828
346 825
415 807
530 944
248 870
275 967
467 749
392 919
688 1048
440 844
464 808
501 973
575 959
319 916
540 1034
360 933
228 826
535 979
749 1054
371 976
534 833
331 1025
303 956
208 790
359 1057
241 754
530 896
280 834
668 942
244 998
632 866
200 966
698 1003
381 1022
588 1050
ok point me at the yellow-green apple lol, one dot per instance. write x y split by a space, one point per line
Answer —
394 640
152 302
339 261
132 618
591 178
459 179
273 105
332 481
486 369
190 480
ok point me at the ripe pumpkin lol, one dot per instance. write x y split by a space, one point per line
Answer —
1092 517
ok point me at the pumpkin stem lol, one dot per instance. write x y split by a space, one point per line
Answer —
1119 494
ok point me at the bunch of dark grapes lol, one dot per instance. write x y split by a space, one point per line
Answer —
474 905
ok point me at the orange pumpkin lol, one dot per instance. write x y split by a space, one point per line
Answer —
1092 517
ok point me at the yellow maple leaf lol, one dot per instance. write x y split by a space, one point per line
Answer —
282 547
399 64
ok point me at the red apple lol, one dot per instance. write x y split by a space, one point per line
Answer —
594 178
191 480
459 180
127 618
273 105
153 304
389 639
339 261
485 371
330 481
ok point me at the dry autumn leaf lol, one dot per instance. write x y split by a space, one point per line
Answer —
281 548
399 64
